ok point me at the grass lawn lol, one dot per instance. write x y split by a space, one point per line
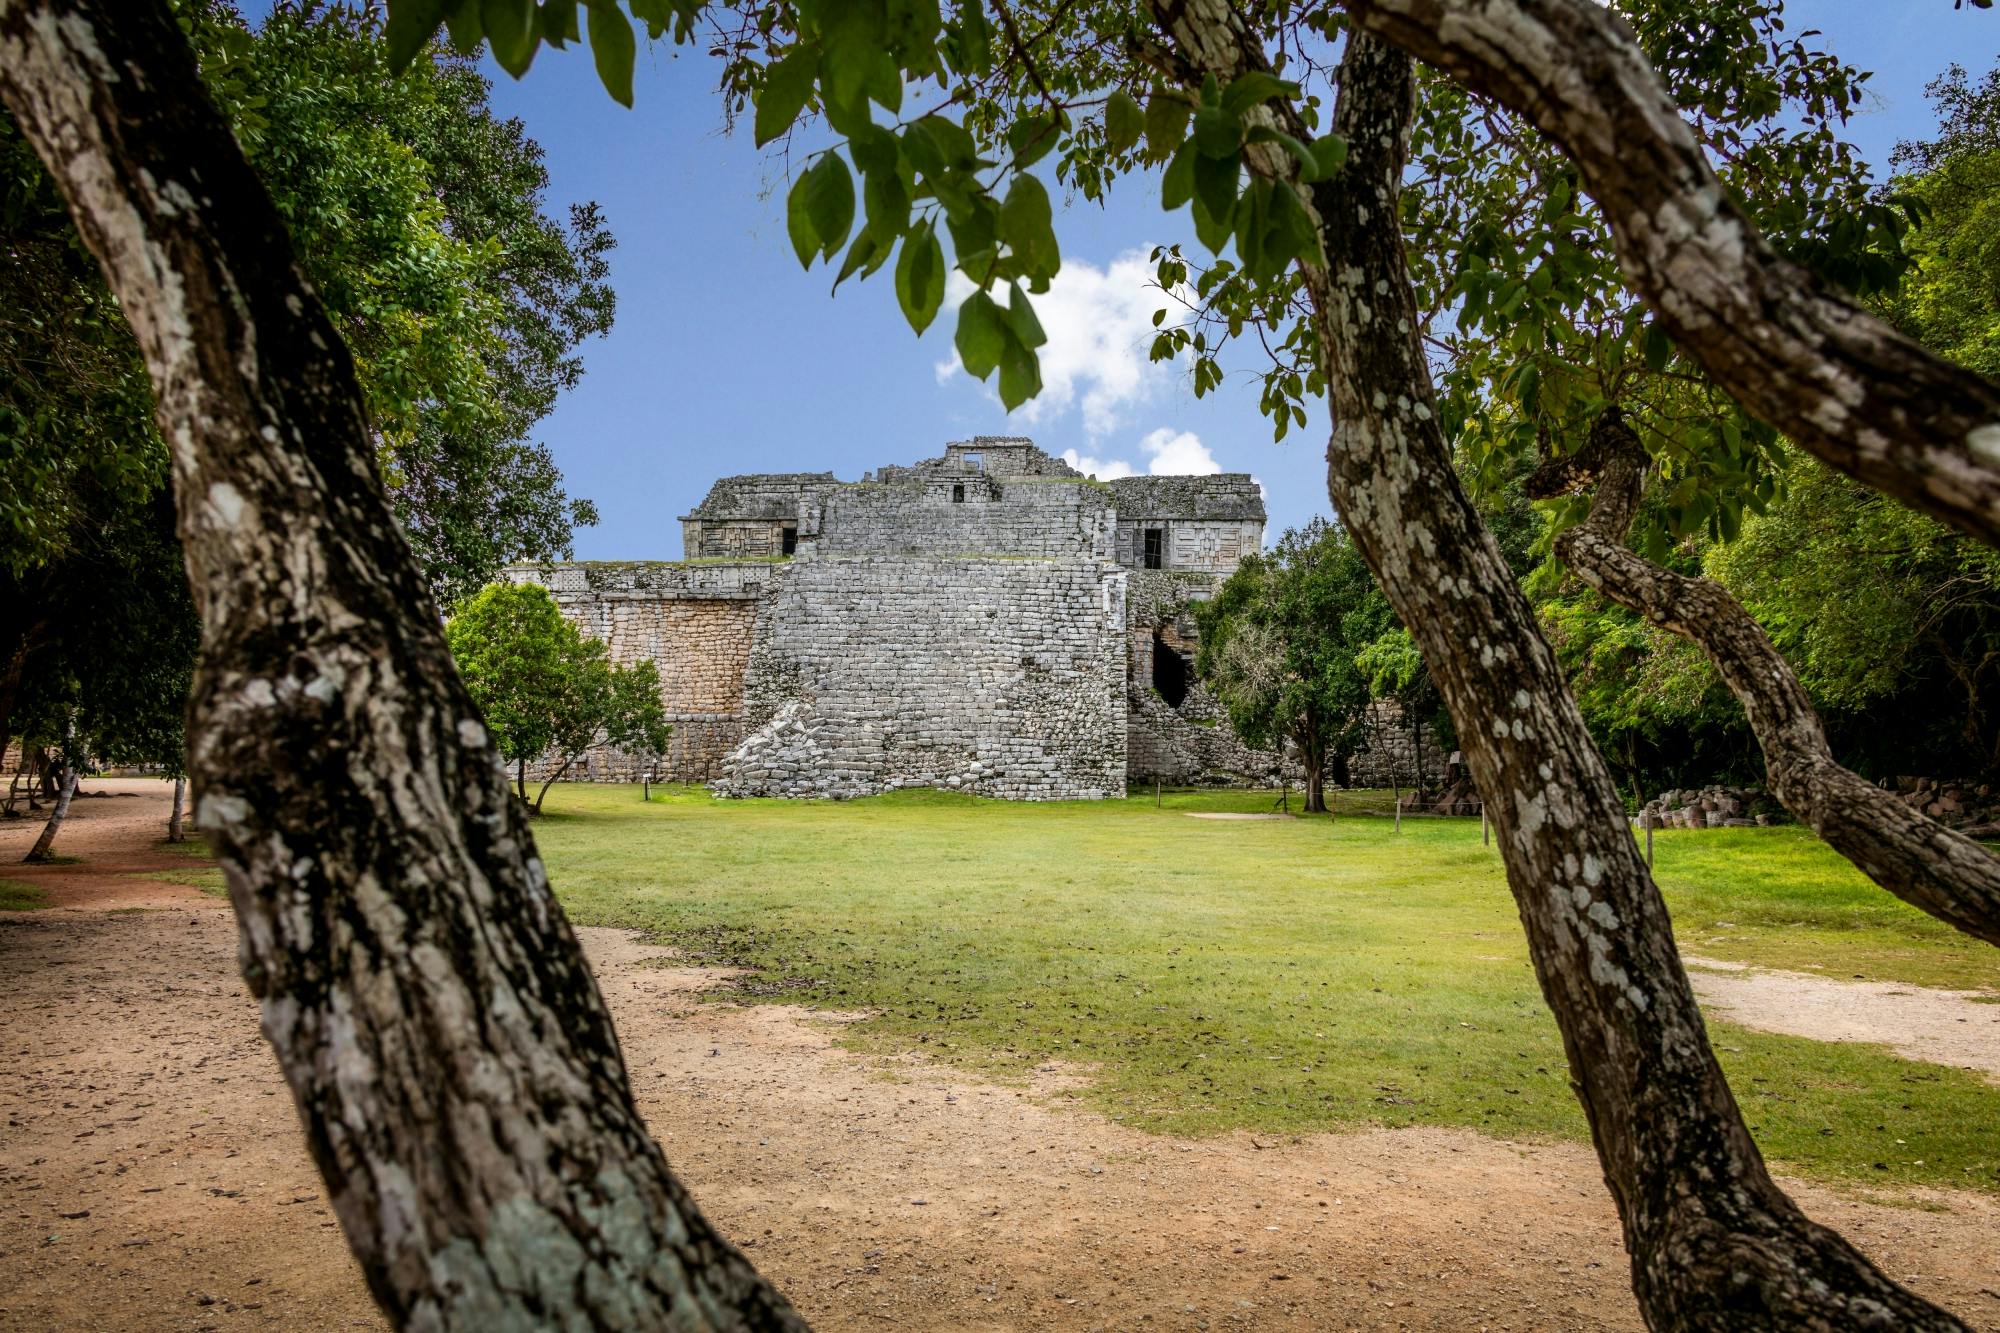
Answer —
16 896
1283 976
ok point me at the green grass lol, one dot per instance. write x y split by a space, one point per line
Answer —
1284 976
1779 897
16 896
208 879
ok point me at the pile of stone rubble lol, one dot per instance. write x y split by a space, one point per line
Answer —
1713 807
1972 808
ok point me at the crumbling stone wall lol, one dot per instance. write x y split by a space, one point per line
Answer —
1190 742
1001 677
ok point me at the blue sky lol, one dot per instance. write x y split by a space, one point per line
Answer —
728 358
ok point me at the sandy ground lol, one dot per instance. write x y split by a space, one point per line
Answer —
1945 1027
152 1176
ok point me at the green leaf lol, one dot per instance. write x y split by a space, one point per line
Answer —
1124 122
982 335
1253 88
1166 126
975 38
920 277
1027 225
1215 183
510 29
558 23
867 254
1329 153
1033 137
613 48
888 203
799 224
1027 329
410 27
1020 375
788 86
1219 132
1177 186
1658 348
829 201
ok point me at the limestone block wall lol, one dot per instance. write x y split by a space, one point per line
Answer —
1004 677
695 623
1022 518
1211 546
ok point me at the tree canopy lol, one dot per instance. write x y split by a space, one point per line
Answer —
545 689
1279 643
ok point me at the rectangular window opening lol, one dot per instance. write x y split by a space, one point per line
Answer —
1155 547
790 540
958 493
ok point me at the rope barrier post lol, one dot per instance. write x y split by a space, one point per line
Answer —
1485 833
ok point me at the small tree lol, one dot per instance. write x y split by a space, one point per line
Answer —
545 688
1278 647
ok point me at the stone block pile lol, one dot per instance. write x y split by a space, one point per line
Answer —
1713 807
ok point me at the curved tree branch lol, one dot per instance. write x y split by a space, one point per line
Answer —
453 1064
1927 865
1844 385
1714 1242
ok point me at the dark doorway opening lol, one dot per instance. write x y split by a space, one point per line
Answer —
789 540
958 493
1170 672
1155 547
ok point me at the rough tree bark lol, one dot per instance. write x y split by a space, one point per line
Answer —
1840 382
1914 857
451 1059
1714 1242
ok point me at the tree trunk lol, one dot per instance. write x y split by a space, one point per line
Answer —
1927 865
449 1055
174 819
542 795
1315 788
1714 1242
1901 419
44 848
521 780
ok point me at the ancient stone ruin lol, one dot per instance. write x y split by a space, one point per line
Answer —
989 621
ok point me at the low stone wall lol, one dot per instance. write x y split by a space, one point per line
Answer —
1389 759
1001 677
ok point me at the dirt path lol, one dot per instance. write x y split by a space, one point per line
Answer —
151 1174
1946 1027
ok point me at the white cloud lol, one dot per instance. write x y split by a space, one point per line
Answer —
1104 469
1100 327
1169 453
1172 453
